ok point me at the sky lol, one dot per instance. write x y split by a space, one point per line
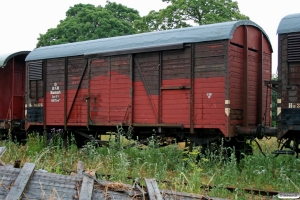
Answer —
22 21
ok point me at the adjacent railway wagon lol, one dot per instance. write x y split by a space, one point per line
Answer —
288 84
197 82
12 84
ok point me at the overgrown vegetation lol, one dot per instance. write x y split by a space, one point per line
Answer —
175 169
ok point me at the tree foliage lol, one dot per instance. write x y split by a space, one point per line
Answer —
183 13
87 22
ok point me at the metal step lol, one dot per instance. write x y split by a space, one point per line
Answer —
288 152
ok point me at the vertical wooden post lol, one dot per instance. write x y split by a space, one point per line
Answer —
44 66
131 74
260 83
12 93
66 94
88 98
160 68
246 79
192 89
153 191
80 168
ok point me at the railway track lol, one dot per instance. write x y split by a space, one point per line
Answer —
268 193
253 191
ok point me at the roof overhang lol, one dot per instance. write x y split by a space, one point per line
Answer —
289 24
4 58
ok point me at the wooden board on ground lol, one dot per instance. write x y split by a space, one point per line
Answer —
27 183
153 191
87 186
2 150
21 182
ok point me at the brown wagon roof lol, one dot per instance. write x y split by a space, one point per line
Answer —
152 41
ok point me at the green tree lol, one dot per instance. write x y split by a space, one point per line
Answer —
87 22
183 13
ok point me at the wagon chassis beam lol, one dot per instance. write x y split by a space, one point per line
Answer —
101 142
273 85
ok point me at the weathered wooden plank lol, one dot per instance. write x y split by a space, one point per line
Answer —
2 163
6 179
21 182
36 183
4 190
153 191
41 194
2 150
104 195
9 170
86 191
53 193
80 167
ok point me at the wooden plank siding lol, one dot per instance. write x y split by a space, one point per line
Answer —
77 91
110 99
146 88
249 65
210 85
288 111
267 93
176 73
54 109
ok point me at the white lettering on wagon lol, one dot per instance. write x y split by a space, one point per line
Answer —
55 92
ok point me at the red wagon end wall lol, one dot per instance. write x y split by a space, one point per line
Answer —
249 65
12 84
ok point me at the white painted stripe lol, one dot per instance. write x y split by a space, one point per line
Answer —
278 110
227 111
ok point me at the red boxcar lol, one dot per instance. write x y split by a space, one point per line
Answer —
12 84
201 80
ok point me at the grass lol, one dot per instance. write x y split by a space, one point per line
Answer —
175 168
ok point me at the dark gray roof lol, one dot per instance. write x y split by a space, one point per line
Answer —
138 42
289 24
4 58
